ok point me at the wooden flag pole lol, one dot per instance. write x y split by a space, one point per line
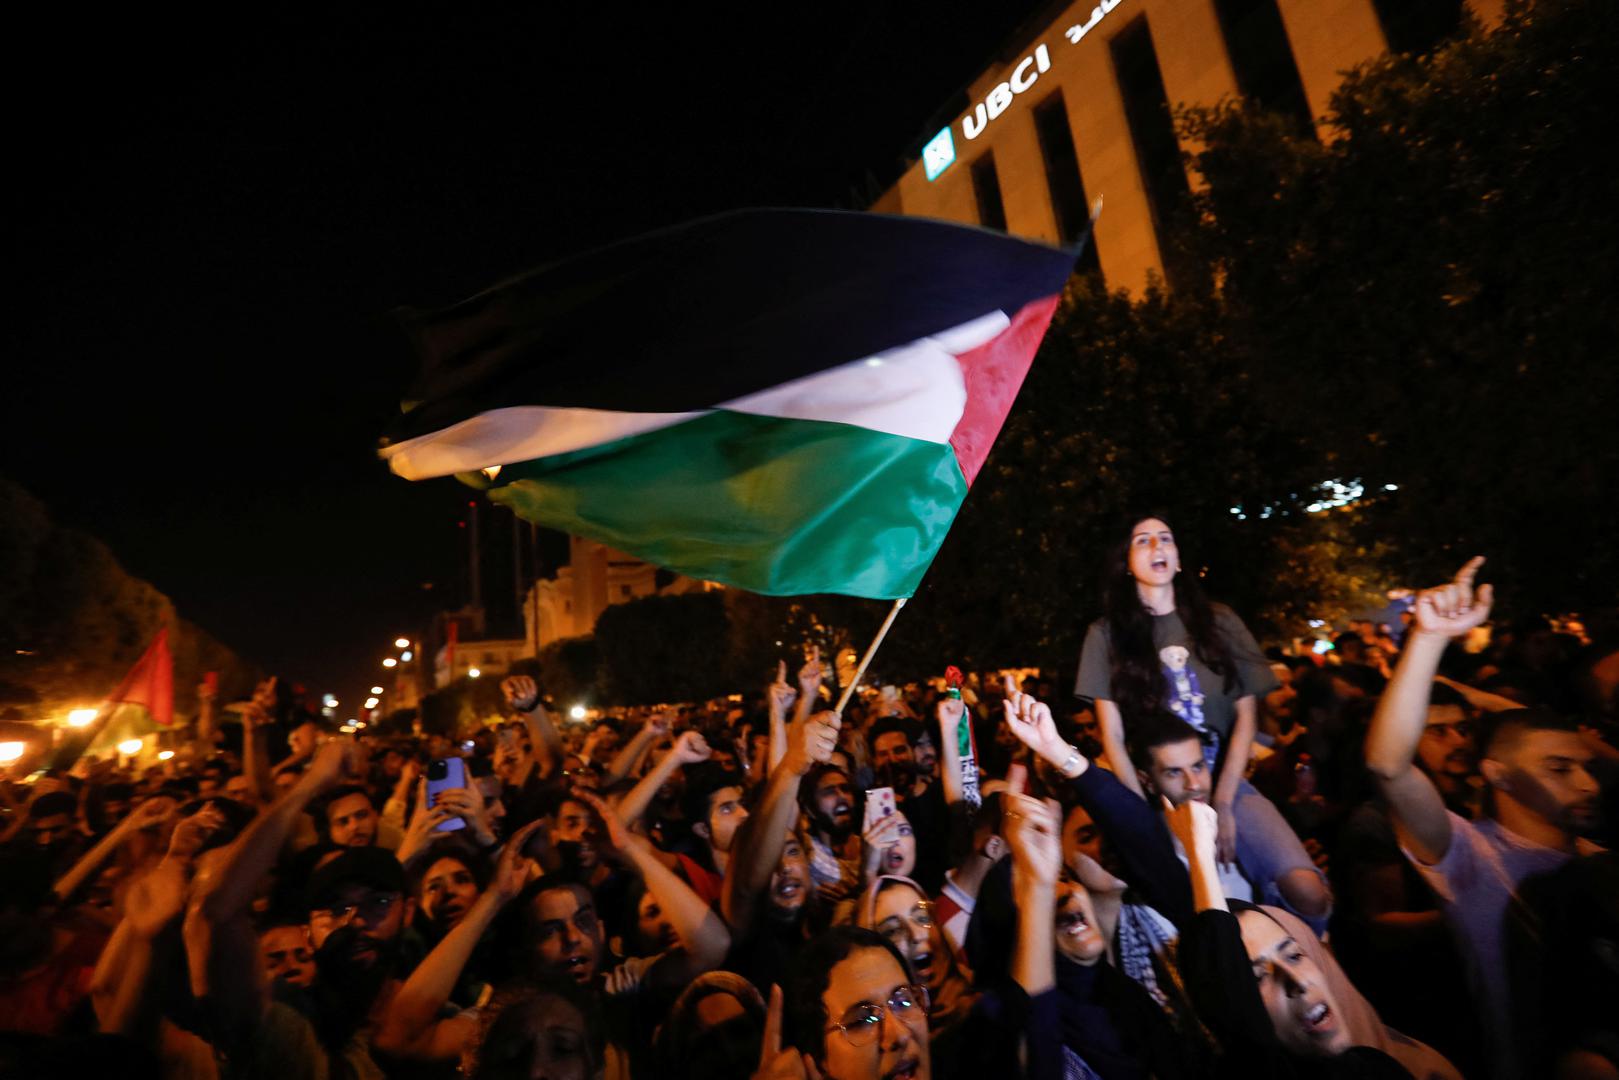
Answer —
871 650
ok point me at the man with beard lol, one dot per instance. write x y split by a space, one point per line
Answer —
358 911
768 901
827 799
1391 924
350 819
1542 796
893 753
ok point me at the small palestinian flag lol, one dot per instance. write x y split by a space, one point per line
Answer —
789 401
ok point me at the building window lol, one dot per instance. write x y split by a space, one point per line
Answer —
1063 179
987 191
1262 58
1152 133
1418 26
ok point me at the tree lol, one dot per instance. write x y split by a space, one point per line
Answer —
1431 292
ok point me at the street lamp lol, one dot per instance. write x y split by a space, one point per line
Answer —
390 662
406 656
80 717
130 747
473 673
402 643
370 703
577 712
11 751
164 755
376 690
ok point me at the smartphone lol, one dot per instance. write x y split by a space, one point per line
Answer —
442 774
879 805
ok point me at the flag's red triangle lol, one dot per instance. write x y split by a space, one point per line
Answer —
150 682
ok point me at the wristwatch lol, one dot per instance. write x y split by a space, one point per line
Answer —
1070 764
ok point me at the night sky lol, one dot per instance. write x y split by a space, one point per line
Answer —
215 220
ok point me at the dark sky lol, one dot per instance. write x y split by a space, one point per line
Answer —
215 219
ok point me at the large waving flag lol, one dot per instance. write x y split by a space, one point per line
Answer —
789 401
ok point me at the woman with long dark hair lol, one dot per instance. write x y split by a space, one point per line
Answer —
1161 645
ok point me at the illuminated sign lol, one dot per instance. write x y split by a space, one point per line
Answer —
1023 77
938 154
998 99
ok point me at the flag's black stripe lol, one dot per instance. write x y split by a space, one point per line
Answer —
696 315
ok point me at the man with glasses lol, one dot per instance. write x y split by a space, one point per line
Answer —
855 1011
358 912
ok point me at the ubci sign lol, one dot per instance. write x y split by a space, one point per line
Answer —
940 151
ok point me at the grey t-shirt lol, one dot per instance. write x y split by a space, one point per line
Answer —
1192 691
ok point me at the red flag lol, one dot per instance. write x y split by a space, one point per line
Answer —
150 682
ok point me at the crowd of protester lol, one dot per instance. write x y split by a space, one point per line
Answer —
1195 860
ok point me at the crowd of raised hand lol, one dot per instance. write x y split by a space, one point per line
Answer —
1402 875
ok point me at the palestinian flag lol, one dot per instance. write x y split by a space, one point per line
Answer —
789 401
139 706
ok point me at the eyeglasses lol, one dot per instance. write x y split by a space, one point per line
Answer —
893 927
861 1023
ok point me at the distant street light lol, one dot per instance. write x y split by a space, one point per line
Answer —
130 747
164 755
376 690
11 751
390 662
406 655
80 717
402 643
473 673
577 712
370 703
329 700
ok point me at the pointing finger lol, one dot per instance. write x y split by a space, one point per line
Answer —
1465 576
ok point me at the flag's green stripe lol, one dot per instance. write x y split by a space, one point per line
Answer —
777 506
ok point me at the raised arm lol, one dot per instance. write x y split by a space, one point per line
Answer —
952 713
411 1027
704 938
152 812
1128 822
781 696
810 677
1033 833
1419 813
220 944
689 749
625 761
762 837
523 695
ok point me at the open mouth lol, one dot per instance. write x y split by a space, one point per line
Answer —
1318 1019
923 963
789 889
906 1070
577 967
1160 564
895 858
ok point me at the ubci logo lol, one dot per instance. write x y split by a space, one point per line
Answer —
999 99
940 152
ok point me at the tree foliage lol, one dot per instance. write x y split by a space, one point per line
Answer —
73 621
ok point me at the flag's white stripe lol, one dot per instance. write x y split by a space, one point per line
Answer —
518 433
916 391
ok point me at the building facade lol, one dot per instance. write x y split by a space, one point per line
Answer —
1079 104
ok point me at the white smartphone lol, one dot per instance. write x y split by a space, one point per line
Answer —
879 805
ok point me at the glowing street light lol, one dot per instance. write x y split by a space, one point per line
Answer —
577 712
473 673
376 690
80 717
130 747
406 655
164 755
390 662
11 751
329 700
370 703
402 643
